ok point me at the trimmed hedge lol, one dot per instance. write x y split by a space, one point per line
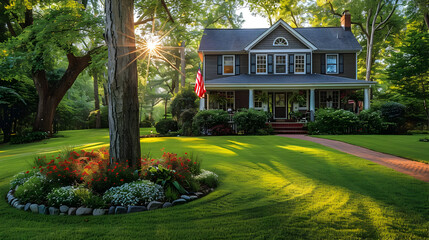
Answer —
165 126
250 121
205 120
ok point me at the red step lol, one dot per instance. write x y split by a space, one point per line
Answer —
288 127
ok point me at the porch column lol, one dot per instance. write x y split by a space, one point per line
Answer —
366 99
202 103
251 99
312 104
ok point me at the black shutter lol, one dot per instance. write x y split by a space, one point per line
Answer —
270 63
308 63
341 65
322 64
253 63
219 65
237 64
291 62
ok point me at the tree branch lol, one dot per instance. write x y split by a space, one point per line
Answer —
143 21
388 17
10 28
352 22
167 10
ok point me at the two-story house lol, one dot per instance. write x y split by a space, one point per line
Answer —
281 69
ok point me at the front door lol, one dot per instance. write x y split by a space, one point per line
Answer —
280 109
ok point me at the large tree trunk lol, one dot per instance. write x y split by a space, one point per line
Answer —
50 96
96 102
122 84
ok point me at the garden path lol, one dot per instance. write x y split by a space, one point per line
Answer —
415 169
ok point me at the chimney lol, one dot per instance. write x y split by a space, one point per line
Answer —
346 20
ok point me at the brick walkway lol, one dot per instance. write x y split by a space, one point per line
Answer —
415 169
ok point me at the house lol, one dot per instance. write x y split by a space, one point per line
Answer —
281 69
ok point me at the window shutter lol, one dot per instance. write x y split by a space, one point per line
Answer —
219 65
341 64
291 62
253 64
237 64
322 64
270 63
308 63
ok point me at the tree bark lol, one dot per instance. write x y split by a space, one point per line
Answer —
50 96
122 83
96 101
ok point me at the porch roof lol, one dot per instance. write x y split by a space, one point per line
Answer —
306 81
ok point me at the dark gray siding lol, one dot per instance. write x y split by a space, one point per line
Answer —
267 42
211 66
349 65
241 99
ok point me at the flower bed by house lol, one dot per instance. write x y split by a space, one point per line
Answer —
84 183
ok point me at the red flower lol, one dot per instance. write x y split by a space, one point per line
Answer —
195 162
122 180
27 171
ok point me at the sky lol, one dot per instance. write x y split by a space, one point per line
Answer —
252 21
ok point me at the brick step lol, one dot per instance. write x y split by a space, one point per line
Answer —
288 126
290 131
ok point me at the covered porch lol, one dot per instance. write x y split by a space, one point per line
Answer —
286 98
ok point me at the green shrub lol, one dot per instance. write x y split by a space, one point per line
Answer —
394 113
184 100
185 122
166 125
331 121
205 120
371 122
171 194
63 196
34 190
88 199
208 178
29 137
250 121
145 123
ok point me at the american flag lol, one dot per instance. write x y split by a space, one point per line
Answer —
199 85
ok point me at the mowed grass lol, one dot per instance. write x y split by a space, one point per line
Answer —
407 146
271 188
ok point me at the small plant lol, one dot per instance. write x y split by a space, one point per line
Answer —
426 139
135 193
166 125
63 196
34 189
171 194
21 178
207 178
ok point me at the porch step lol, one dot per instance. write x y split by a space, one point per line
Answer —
288 127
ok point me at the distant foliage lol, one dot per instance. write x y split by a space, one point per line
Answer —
28 137
166 125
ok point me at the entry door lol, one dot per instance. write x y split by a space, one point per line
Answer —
280 105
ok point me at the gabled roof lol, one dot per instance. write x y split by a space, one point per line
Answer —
280 23
236 40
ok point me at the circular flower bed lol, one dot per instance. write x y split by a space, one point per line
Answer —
86 183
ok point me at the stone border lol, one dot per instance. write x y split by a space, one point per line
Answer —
65 210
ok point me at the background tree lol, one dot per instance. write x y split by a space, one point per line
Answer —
409 67
56 30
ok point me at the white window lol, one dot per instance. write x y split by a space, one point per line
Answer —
299 63
331 63
257 103
261 63
228 64
329 99
280 64
280 41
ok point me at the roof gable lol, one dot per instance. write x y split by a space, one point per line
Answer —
268 41
280 23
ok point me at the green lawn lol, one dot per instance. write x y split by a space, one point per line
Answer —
407 146
271 188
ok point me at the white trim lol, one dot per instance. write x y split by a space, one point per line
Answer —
294 63
280 51
288 28
288 86
337 62
280 45
286 63
233 64
266 63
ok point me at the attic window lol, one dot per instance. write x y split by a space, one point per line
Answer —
280 41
